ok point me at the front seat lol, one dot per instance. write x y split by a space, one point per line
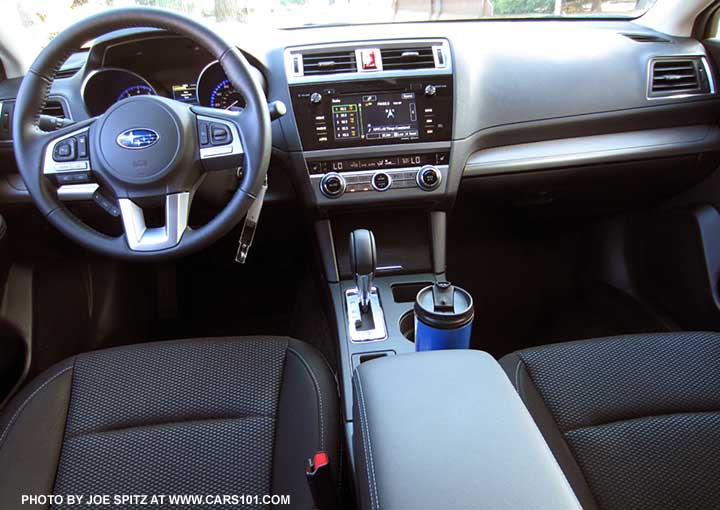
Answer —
225 416
634 421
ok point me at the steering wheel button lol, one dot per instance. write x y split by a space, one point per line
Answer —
82 146
64 178
65 150
69 166
220 134
203 133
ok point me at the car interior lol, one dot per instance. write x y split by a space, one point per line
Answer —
465 262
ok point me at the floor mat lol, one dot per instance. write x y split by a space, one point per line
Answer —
531 284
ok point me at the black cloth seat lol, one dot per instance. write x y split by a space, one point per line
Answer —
634 421
224 416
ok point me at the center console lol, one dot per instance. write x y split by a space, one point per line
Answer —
446 429
374 118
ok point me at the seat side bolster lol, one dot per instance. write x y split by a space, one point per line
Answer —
517 372
307 422
31 435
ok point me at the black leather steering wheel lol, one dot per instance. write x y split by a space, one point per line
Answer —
147 151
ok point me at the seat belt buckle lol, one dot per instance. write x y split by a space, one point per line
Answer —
319 478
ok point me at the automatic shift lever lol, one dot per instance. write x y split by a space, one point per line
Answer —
363 259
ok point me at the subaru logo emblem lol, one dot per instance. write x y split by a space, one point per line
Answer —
138 138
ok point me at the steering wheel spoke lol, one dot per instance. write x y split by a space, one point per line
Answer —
140 237
66 160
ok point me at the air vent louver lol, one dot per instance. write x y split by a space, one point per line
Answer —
329 63
54 109
408 58
678 77
66 73
646 38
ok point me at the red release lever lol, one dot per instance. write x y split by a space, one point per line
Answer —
320 460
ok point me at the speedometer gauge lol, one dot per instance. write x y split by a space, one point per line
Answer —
136 90
225 96
215 90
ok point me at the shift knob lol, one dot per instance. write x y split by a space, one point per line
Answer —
363 259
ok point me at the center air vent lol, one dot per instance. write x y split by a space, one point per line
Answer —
408 58
672 77
328 63
363 59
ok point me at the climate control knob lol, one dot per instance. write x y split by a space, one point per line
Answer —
428 178
381 181
332 185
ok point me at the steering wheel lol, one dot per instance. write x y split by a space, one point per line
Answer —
147 151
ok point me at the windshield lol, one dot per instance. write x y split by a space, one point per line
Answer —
45 18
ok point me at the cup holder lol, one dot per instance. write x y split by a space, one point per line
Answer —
407 325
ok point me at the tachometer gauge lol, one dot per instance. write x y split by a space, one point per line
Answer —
136 90
225 96
104 87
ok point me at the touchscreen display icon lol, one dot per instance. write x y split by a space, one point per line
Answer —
369 59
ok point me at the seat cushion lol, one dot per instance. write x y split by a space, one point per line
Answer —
204 416
634 421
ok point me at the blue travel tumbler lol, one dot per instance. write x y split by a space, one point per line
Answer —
443 318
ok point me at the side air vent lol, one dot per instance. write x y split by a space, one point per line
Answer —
408 58
328 63
646 38
673 77
54 108
66 73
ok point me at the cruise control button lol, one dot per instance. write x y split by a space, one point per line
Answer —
219 134
65 150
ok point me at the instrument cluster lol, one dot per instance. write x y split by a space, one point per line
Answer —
104 87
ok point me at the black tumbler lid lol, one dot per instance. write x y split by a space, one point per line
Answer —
444 306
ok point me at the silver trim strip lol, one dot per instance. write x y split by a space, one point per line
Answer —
352 308
77 192
592 150
142 238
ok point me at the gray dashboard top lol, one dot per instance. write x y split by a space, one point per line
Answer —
506 72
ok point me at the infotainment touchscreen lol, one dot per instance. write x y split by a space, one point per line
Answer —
364 113
375 116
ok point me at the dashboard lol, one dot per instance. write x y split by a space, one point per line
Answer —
405 113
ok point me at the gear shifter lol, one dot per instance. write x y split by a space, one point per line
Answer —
363 259
366 321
